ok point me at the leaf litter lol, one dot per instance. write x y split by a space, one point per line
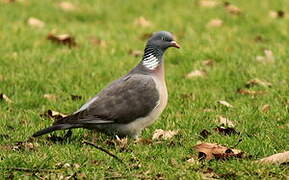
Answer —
34 22
267 58
53 114
279 158
64 39
160 134
4 97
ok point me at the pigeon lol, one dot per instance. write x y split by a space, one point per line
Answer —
129 104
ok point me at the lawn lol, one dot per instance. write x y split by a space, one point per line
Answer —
105 32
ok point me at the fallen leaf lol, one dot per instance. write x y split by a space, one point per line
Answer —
24 146
209 151
135 53
250 92
259 38
197 73
141 21
278 158
205 134
67 6
225 103
232 8
254 82
208 3
121 143
53 114
265 108
75 97
268 58
145 141
52 97
277 14
34 22
209 174
64 39
5 98
225 122
98 42
215 23
225 130
208 62
192 160
162 134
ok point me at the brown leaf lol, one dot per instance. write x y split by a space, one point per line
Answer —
208 3
5 98
268 58
277 14
197 73
53 114
192 160
205 134
258 82
64 39
34 22
279 158
225 103
225 130
75 97
232 9
135 53
98 42
52 97
121 143
209 151
141 21
265 108
162 134
250 92
225 122
208 62
67 6
24 146
145 141
215 23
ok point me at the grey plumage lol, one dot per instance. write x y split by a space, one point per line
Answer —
130 103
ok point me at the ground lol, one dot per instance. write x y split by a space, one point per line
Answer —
105 32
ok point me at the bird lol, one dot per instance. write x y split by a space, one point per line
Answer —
129 104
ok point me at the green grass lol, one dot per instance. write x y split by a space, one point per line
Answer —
31 66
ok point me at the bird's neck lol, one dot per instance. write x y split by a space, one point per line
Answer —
152 58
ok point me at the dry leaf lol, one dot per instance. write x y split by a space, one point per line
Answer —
277 14
34 22
265 108
279 158
67 6
225 103
268 58
232 8
205 134
162 134
5 98
75 97
226 130
215 23
208 3
98 42
53 114
141 21
197 73
52 97
24 146
209 151
145 141
225 122
135 53
250 92
258 82
208 62
192 160
64 39
122 143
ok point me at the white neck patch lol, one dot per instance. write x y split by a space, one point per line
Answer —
150 62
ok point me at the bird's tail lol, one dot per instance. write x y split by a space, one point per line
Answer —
55 128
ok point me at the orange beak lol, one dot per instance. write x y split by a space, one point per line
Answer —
175 44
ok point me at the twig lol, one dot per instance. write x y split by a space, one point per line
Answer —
103 150
29 169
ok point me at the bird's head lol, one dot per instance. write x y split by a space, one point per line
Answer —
162 40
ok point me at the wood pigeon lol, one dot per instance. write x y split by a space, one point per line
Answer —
129 104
